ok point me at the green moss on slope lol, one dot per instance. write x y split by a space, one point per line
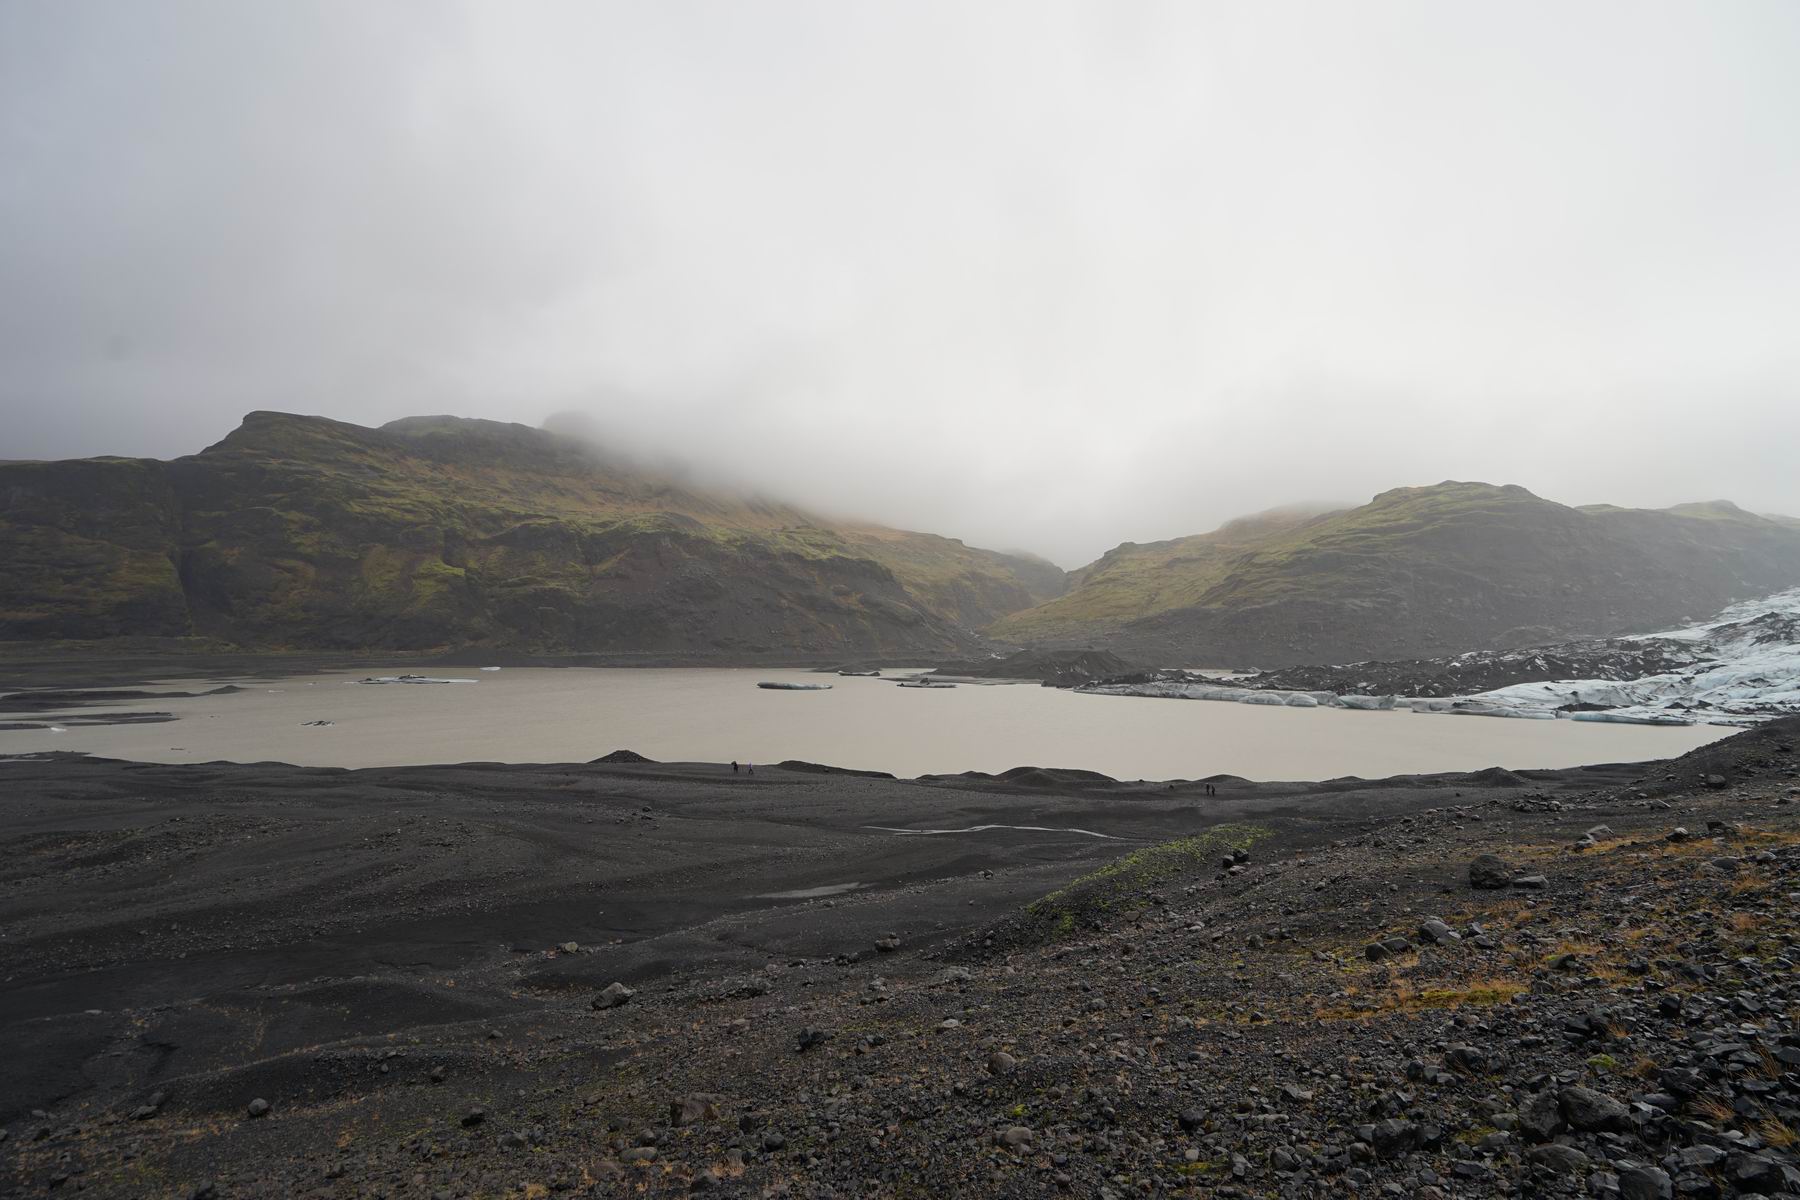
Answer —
1416 572
300 532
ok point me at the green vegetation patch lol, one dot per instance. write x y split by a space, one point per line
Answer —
1124 884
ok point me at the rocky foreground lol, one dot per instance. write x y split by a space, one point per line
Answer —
1574 983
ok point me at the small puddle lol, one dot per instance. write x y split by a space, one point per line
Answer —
812 893
984 828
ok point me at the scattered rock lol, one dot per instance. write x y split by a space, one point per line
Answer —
1540 1117
694 1108
1393 1137
1564 1160
1593 1112
1645 1183
613 995
1489 871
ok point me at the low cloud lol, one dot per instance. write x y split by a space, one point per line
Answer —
1039 276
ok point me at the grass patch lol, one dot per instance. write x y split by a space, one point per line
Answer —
1122 885
1403 996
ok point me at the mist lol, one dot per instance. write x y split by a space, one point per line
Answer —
1041 276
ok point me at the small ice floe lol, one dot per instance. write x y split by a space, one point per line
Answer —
1186 686
1458 709
317 724
59 729
490 668
1633 717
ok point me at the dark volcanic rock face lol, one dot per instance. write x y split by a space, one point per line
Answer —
303 533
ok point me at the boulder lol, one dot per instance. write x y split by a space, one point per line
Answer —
1435 931
1540 1117
694 1108
1489 871
613 995
1645 1183
1593 1112
1554 1156
1393 1137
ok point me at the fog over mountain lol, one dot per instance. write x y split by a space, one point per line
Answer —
1040 276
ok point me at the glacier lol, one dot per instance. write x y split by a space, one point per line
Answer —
1740 668
1747 670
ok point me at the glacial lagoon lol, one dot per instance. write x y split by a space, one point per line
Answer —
717 715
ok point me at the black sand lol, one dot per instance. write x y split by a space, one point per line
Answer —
380 952
131 886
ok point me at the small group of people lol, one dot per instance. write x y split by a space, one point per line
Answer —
751 767
1211 790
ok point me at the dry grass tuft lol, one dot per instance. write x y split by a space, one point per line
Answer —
1404 996
1714 1108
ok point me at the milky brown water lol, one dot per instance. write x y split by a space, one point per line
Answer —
572 715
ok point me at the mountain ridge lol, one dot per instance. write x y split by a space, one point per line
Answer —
1416 572
447 533
441 532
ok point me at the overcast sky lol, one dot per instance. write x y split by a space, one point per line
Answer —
1040 275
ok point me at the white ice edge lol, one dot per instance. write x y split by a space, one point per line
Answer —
1747 670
